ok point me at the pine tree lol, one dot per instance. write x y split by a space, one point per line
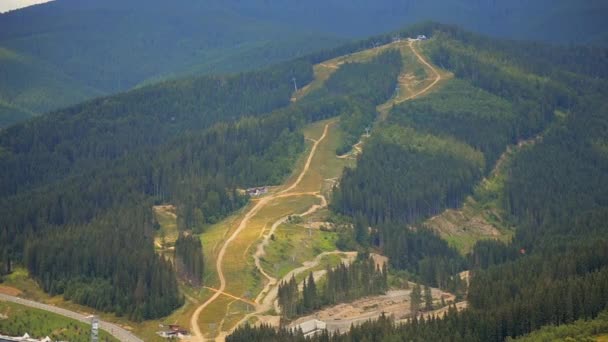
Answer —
311 304
428 298
415 300
361 233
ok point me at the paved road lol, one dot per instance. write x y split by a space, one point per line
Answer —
114 330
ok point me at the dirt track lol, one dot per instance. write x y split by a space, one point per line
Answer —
438 77
395 303
197 335
266 298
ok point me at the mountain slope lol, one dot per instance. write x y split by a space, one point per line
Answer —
82 49
30 86
553 193
87 48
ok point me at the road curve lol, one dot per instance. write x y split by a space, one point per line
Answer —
198 336
430 86
112 329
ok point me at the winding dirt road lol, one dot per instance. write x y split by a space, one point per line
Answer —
267 296
198 336
437 79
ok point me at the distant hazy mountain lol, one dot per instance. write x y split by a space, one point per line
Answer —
558 21
70 50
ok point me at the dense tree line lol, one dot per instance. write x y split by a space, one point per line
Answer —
581 330
555 271
88 135
485 121
404 176
559 187
373 81
199 167
533 98
532 56
342 283
189 258
417 299
579 290
199 173
359 88
108 264
422 253
367 85
427 158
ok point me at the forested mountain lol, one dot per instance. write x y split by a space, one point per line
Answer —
554 272
97 168
72 50
76 174
77 185
87 135
63 52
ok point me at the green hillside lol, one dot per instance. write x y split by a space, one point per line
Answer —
77 185
547 101
72 51
30 87
90 174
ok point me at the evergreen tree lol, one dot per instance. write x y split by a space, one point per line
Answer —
415 300
189 258
428 298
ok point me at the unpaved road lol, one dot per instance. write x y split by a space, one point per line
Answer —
113 329
197 335
268 292
267 297
437 79
385 107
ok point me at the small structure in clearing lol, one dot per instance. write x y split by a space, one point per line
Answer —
311 327
174 331
257 191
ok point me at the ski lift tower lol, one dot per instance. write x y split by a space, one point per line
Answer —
295 85
367 131
94 329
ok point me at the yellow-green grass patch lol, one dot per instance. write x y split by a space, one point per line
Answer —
243 279
209 322
294 244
